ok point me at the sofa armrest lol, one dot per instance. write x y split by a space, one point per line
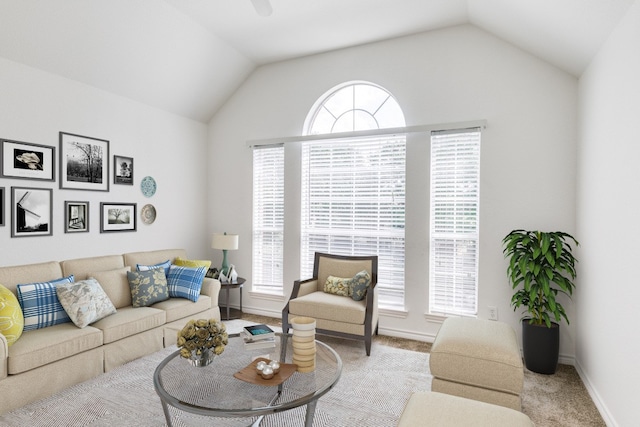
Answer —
4 354
211 288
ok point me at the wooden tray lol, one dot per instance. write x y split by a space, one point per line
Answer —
250 374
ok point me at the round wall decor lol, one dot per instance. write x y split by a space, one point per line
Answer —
148 214
148 186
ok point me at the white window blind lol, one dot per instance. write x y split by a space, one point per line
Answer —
353 203
455 199
268 219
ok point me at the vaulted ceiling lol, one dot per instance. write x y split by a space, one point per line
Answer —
188 56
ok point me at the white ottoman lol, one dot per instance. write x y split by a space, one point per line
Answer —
443 410
478 359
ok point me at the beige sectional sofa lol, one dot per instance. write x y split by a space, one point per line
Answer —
43 361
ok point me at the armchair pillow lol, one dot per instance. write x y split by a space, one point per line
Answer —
85 301
148 287
40 304
359 285
338 286
185 282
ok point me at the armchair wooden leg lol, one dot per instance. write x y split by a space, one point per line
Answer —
367 345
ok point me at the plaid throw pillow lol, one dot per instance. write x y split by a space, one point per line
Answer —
164 265
40 304
185 282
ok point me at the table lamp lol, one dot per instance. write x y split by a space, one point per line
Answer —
226 242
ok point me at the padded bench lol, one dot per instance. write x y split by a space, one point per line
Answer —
478 359
443 410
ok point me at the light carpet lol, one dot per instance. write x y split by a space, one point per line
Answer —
372 391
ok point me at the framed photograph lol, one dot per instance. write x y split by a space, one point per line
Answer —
117 217
2 206
25 160
32 210
122 170
84 163
76 217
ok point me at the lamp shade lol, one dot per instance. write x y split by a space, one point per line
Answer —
225 241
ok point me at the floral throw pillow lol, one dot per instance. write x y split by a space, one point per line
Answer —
85 301
148 287
338 286
359 285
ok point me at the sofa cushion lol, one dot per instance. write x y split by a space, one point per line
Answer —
129 321
148 287
42 346
40 304
11 318
178 308
85 302
163 265
193 263
82 268
321 305
115 284
185 282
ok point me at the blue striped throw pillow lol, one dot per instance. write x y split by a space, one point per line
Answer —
185 282
164 265
40 304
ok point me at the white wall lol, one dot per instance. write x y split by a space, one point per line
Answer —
451 75
608 206
35 106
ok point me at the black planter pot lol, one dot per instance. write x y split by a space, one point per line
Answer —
541 346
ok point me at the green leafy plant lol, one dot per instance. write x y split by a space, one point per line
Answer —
537 261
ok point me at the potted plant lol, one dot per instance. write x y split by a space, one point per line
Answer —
541 265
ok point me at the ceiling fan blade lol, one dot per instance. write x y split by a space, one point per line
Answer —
263 7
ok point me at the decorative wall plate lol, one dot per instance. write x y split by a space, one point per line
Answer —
148 214
148 186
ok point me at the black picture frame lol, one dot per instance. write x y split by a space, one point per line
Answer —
122 170
117 217
76 217
84 162
31 211
2 220
26 160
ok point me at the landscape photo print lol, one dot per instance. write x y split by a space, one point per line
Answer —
84 163
117 217
31 211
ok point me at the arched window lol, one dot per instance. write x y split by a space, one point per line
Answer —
352 107
353 188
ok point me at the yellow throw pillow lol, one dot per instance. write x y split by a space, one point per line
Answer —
11 318
192 263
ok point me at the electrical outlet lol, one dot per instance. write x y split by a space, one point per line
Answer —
493 312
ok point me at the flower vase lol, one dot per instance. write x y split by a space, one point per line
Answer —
203 359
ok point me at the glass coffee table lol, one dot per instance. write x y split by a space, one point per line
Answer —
215 391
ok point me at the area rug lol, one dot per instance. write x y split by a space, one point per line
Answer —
372 391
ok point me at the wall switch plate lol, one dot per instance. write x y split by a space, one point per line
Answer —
493 312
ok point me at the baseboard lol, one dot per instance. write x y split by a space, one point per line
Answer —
597 400
410 335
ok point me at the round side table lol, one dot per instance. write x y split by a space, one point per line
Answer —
226 286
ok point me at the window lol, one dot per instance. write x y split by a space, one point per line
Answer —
353 189
455 198
268 219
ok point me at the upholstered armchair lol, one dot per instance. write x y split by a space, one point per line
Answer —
335 314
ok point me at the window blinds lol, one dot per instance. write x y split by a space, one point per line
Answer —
455 198
353 203
268 219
